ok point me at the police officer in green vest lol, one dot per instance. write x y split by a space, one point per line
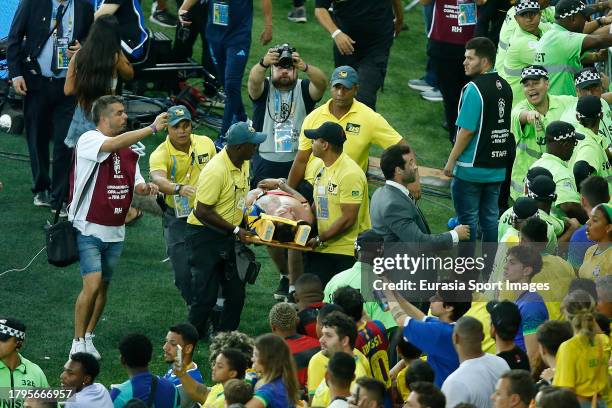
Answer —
529 120
588 82
521 48
561 138
561 49
590 150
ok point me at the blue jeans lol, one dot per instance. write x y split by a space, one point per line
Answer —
80 124
476 205
230 62
96 255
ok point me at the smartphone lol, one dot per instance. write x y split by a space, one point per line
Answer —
381 299
179 356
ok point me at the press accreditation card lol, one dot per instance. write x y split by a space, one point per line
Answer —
181 206
220 13
61 48
466 13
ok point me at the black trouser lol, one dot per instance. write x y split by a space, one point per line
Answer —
183 48
326 266
174 233
298 3
451 79
212 262
47 114
371 65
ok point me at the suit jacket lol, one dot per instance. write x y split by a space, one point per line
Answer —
33 21
398 219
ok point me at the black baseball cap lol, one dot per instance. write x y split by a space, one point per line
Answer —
559 131
525 207
542 188
588 106
505 316
568 8
328 131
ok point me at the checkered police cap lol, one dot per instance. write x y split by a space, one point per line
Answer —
533 72
587 76
526 5
568 10
7 330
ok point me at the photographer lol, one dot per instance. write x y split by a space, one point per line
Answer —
280 104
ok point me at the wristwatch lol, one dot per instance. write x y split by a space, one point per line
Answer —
318 241
177 189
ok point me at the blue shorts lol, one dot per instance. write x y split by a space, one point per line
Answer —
97 255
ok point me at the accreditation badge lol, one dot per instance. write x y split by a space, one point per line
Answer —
181 206
466 13
322 208
61 50
220 13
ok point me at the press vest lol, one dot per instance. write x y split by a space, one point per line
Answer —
445 24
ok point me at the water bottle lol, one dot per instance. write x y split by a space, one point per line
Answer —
452 223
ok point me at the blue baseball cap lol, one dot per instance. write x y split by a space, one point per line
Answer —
241 133
345 76
178 113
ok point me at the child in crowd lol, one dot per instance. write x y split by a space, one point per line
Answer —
237 392
598 258
230 364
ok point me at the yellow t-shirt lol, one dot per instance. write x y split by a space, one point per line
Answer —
582 366
479 312
216 398
224 186
558 273
362 126
321 396
341 183
400 382
188 165
595 266
317 366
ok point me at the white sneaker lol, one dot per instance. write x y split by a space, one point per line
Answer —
78 346
90 348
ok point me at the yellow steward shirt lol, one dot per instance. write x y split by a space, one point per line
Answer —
181 167
341 183
224 186
362 126
583 366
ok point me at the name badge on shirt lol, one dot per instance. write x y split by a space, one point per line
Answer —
466 12
322 208
181 206
61 49
220 13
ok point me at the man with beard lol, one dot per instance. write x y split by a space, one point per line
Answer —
280 104
394 212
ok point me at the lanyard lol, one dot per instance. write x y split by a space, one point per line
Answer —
174 163
54 17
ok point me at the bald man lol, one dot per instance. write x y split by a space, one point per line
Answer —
475 379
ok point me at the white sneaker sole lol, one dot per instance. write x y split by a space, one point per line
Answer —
297 19
432 98
420 88
159 23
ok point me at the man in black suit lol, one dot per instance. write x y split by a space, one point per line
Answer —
393 211
39 47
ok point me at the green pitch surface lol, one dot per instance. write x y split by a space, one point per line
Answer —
142 295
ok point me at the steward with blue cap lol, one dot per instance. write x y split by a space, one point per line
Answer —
175 167
214 225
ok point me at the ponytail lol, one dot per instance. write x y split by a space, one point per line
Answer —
579 309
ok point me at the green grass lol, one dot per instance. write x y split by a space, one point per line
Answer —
142 295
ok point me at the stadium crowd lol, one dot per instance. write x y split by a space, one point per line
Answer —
528 115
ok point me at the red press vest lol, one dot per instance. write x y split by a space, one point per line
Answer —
445 24
113 189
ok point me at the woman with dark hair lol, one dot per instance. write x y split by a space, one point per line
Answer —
598 258
93 73
277 385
